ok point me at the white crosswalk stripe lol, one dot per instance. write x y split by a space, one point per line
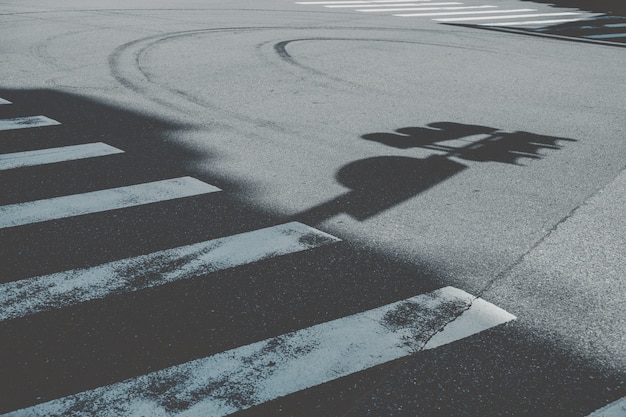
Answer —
104 200
33 295
53 155
430 8
464 13
546 20
26 122
239 378
466 19
250 375
3 101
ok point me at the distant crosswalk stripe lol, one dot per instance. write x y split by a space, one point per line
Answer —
462 13
427 8
615 409
250 375
607 36
3 101
352 2
53 155
26 122
519 16
371 5
33 295
98 201
530 22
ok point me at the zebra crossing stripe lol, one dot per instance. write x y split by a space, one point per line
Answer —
351 2
519 16
26 122
428 8
33 295
531 22
615 409
607 36
250 375
53 155
103 200
372 5
3 101
462 13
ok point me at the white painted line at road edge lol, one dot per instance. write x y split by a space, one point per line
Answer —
63 289
3 101
26 122
462 13
104 200
615 409
519 16
53 155
250 375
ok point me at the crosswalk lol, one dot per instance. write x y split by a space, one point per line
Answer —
558 22
240 378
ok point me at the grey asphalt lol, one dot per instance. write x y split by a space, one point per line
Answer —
441 155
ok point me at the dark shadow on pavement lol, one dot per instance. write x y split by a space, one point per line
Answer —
380 183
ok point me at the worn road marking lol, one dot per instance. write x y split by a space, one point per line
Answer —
462 13
428 8
607 36
104 200
371 5
26 122
33 295
3 101
615 409
530 22
53 155
519 16
352 2
250 375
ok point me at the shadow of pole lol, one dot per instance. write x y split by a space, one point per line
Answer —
379 183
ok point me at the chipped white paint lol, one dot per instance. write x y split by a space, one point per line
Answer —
104 200
615 409
26 122
462 13
3 101
53 155
63 289
243 377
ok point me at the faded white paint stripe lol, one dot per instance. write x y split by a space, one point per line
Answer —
519 16
3 101
372 5
243 377
34 295
352 2
104 200
26 122
428 8
462 13
615 409
531 22
53 155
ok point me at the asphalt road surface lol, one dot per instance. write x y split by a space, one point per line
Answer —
282 208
